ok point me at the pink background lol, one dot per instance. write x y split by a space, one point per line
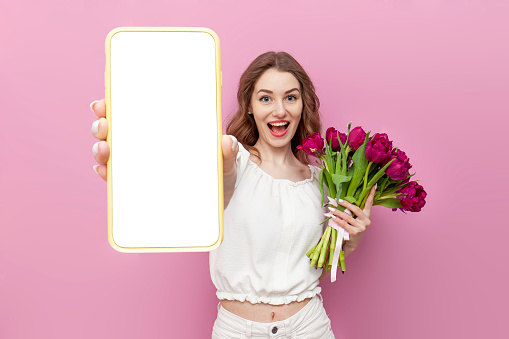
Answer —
432 74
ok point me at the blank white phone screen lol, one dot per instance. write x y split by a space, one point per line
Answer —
164 139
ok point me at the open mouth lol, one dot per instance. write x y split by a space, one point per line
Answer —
278 128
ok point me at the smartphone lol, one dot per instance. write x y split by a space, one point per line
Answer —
165 171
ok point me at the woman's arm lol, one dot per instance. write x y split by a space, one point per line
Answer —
325 275
230 150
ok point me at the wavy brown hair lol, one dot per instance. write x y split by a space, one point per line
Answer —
242 125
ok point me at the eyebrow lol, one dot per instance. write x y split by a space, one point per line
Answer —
270 92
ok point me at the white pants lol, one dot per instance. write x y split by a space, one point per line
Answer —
311 322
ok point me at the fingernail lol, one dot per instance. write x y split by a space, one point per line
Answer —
329 214
95 148
92 105
235 143
376 186
95 126
95 168
332 201
331 209
340 200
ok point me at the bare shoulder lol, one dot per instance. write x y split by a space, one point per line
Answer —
301 171
305 170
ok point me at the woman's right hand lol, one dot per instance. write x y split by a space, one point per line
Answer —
101 149
230 149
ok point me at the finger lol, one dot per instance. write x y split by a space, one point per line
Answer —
100 129
230 145
99 108
355 209
345 216
369 202
346 226
352 229
102 171
230 148
101 151
337 212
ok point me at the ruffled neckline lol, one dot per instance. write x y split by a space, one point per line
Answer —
298 183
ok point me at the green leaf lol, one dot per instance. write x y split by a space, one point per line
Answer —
394 189
389 203
344 154
373 168
332 162
350 199
328 158
361 163
383 184
338 162
340 190
320 185
327 219
379 174
373 180
358 193
351 170
331 189
338 178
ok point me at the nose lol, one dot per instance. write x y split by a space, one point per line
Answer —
279 110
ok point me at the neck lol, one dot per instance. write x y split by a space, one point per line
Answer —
280 156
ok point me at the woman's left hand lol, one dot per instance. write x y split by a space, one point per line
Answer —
354 226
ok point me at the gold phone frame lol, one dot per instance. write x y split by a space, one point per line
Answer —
107 79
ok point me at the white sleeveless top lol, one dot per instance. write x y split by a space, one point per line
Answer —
269 225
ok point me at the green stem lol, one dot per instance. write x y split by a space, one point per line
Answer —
344 159
342 259
321 260
310 252
363 202
338 162
331 187
317 251
366 175
332 246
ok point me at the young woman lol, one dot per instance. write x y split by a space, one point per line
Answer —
272 210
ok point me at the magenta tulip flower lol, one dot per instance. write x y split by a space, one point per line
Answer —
398 169
379 148
412 197
356 138
313 145
332 138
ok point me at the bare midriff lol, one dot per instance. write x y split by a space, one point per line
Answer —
264 313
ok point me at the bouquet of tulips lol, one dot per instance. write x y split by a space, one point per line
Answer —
350 165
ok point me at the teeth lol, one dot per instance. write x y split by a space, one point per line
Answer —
278 123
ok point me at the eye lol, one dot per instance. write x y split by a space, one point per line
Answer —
292 96
264 97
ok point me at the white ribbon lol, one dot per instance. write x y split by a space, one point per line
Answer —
342 235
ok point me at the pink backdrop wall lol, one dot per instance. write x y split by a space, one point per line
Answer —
432 74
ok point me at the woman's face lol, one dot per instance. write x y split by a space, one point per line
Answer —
276 105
